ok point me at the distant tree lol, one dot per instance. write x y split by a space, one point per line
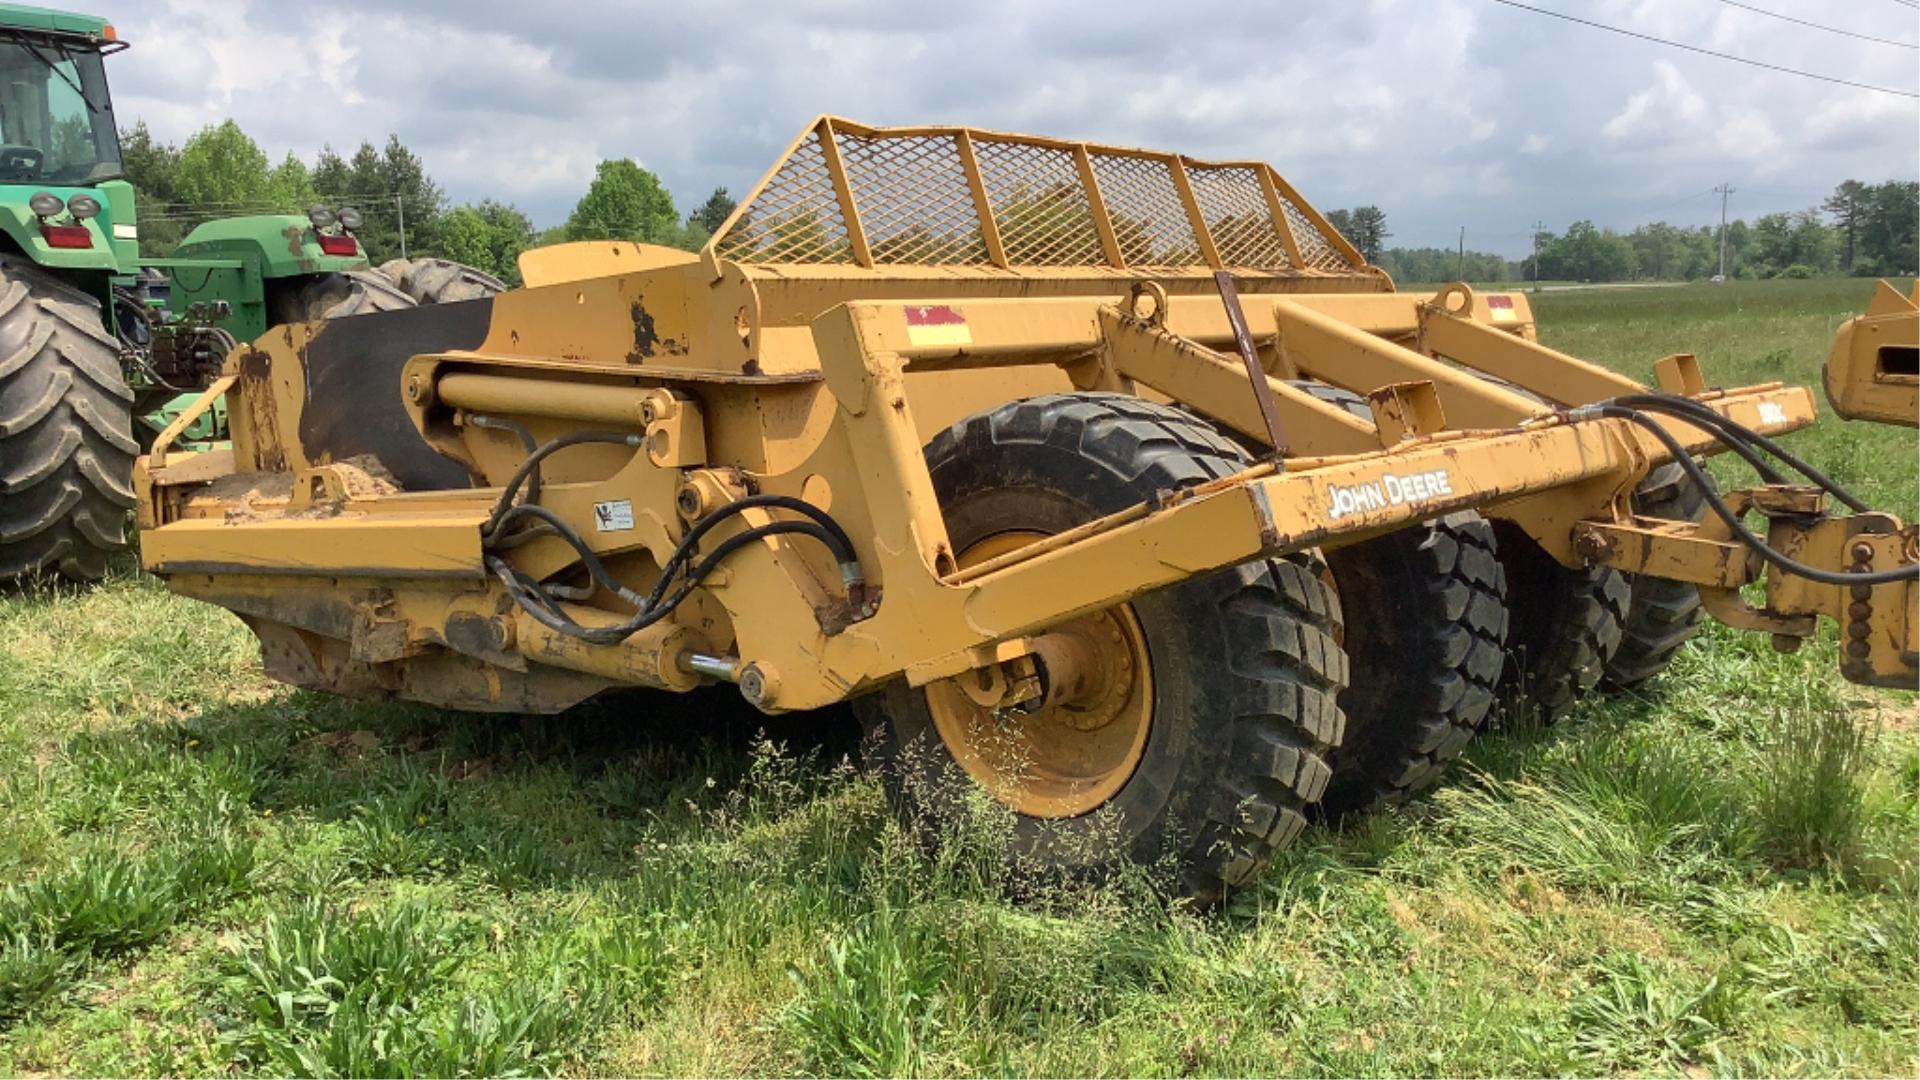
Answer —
489 236
1800 243
714 212
222 170
151 166
1433 265
1891 212
1844 205
625 202
292 184
1369 231
386 186
1587 253
1342 222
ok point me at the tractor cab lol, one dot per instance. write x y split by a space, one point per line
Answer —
56 120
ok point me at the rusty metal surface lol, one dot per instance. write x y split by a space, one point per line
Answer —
1873 369
1250 356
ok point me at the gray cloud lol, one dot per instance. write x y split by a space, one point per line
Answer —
1444 112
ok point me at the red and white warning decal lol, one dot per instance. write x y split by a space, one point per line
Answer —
936 324
1501 308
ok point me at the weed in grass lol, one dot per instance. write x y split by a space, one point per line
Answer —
320 985
381 841
305 961
1633 1017
1808 797
868 1005
102 902
31 970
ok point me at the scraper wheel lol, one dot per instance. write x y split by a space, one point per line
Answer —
1426 619
1187 729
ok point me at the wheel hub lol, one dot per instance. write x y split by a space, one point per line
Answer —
1069 748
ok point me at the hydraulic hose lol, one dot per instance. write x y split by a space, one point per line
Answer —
1737 435
1732 519
676 582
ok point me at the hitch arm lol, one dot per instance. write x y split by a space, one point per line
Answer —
1880 623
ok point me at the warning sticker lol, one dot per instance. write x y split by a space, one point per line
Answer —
936 324
613 516
1501 309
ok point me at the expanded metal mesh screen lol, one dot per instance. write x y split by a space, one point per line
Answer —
1039 204
914 201
796 217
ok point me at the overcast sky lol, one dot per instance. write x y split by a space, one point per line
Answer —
1442 112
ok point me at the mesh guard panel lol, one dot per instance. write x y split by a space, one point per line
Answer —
911 197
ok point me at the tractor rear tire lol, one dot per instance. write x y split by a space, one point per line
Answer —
440 281
1662 615
1234 700
1564 630
1426 623
337 296
66 423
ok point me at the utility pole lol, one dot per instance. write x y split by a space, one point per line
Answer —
1460 268
400 211
1723 191
1537 226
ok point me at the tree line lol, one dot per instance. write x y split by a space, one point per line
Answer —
222 172
1866 230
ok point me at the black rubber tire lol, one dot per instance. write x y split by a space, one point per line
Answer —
1246 669
440 281
1662 614
335 296
1426 623
66 422
1562 635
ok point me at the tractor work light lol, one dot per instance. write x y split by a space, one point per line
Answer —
320 216
351 218
83 207
45 203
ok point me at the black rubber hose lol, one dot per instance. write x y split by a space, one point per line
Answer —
530 467
1737 430
527 594
836 538
591 561
1732 440
1740 531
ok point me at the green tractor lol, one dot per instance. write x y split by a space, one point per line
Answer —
98 346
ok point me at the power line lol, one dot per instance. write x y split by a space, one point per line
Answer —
1818 26
1706 52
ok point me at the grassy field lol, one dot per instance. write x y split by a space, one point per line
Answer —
201 872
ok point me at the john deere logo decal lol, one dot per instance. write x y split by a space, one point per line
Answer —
1389 490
